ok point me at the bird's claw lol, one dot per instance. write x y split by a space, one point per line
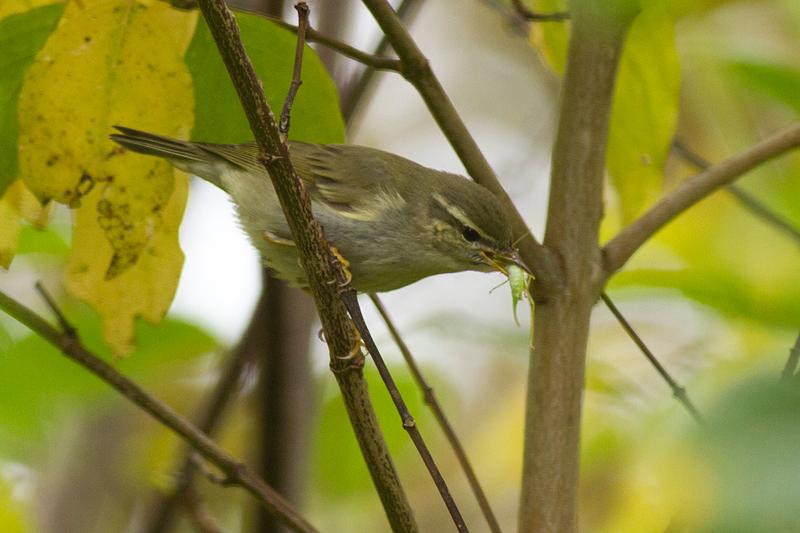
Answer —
344 264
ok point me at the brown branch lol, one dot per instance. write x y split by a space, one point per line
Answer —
417 70
429 396
302 27
198 514
161 512
746 199
323 272
312 36
678 391
351 301
792 361
67 328
375 61
237 472
527 14
354 91
626 242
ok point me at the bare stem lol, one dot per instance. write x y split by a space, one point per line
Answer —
324 273
63 323
430 400
302 26
355 90
237 472
624 245
375 61
746 199
160 515
351 301
677 390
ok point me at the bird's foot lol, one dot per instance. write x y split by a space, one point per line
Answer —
344 264
355 357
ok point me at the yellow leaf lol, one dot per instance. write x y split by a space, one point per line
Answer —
144 290
111 62
551 38
17 203
12 7
645 110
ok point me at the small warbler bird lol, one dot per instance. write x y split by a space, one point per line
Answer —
392 220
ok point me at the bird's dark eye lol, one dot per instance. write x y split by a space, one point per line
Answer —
470 234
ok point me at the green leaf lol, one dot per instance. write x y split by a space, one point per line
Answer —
37 241
749 446
645 110
339 466
218 114
731 295
37 383
21 37
777 81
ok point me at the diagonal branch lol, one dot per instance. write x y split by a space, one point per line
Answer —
375 61
417 70
678 391
624 245
355 90
747 200
235 471
431 401
409 424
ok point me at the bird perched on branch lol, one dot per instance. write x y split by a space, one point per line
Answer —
394 221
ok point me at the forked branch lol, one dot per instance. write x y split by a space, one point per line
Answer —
617 252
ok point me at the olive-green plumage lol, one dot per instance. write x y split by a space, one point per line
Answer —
395 221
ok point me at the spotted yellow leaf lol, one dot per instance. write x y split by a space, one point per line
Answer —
145 289
111 62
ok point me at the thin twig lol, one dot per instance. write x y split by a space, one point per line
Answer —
375 61
350 300
677 390
430 399
198 514
354 91
74 349
746 199
302 26
160 515
67 328
313 36
791 363
626 242
527 14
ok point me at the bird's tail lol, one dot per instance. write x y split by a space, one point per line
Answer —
185 155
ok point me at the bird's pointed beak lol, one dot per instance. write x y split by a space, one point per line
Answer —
500 260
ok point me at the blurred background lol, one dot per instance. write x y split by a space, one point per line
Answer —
716 297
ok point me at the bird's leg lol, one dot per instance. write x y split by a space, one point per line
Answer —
345 264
